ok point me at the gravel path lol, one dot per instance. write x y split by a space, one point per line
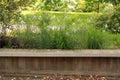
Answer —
37 76
27 76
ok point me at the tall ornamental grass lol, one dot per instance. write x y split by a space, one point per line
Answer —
62 31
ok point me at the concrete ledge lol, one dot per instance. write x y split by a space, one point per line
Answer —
58 53
100 62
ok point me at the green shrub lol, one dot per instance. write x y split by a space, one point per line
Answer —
57 38
110 21
46 37
97 39
91 38
115 41
58 31
82 38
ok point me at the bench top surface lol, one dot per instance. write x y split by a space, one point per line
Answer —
58 53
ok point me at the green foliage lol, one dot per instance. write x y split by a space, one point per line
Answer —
116 40
54 39
69 5
91 5
50 4
62 31
97 39
110 21
61 5
114 2
46 38
9 13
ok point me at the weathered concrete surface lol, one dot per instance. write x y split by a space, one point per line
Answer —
58 53
100 62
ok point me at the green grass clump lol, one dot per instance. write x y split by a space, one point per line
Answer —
65 39
63 31
97 39
116 41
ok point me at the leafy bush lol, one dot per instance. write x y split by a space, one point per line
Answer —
65 39
97 39
110 21
61 31
47 37
9 13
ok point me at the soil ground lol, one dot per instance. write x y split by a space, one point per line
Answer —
29 76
